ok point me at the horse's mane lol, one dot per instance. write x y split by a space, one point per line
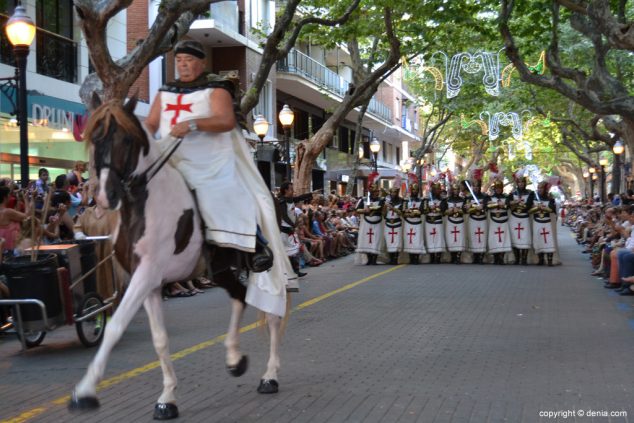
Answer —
111 111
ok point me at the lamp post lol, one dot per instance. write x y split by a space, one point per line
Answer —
260 127
286 118
618 148
375 147
20 31
586 176
593 176
603 162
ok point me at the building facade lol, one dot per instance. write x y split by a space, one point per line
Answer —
57 64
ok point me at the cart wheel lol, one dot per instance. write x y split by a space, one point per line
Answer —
33 338
90 331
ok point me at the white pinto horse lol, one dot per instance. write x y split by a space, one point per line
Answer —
159 239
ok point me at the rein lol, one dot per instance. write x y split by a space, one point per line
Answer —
153 169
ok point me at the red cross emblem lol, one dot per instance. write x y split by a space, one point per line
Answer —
455 233
177 108
411 233
499 233
519 228
370 233
433 233
478 233
544 232
393 232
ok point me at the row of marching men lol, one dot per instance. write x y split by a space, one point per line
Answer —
465 226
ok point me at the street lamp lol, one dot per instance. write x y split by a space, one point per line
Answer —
618 147
361 152
286 118
593 177
375 147
586 175
20 31
603 162
261 128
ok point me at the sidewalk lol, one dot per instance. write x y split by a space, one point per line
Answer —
429 343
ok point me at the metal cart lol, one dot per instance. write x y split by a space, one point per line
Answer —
45 295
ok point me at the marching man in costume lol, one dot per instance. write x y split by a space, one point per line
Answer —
453 207
477 221
434 235
393 228
499 239
413 227
544 219
285 211
521 235
370 209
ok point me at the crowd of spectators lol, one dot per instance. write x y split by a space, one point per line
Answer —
327 227
605 231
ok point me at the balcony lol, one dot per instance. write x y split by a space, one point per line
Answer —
298 63
56 56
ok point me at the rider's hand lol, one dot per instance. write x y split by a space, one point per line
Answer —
180 130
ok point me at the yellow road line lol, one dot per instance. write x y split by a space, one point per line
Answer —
34 412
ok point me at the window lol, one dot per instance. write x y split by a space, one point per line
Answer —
264 103
398 155
384 151
344 139
56 50
260 15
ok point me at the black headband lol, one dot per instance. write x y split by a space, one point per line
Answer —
190 50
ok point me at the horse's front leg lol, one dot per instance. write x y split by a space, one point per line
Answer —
166 405
85 393
236 362
268 383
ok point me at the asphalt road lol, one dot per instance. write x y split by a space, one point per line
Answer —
428 343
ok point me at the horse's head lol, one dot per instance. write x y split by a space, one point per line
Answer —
118 141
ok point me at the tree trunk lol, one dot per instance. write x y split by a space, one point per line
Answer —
302 183
355 146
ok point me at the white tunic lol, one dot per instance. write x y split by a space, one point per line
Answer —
455 227
233 199
499 238
413 227
543 229
434 235
519 223
477 228
393 229
370 228
209 165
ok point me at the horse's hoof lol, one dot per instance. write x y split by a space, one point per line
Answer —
268 386
165 411
82 404
240 368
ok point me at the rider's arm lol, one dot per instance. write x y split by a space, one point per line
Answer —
154 117
222 119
